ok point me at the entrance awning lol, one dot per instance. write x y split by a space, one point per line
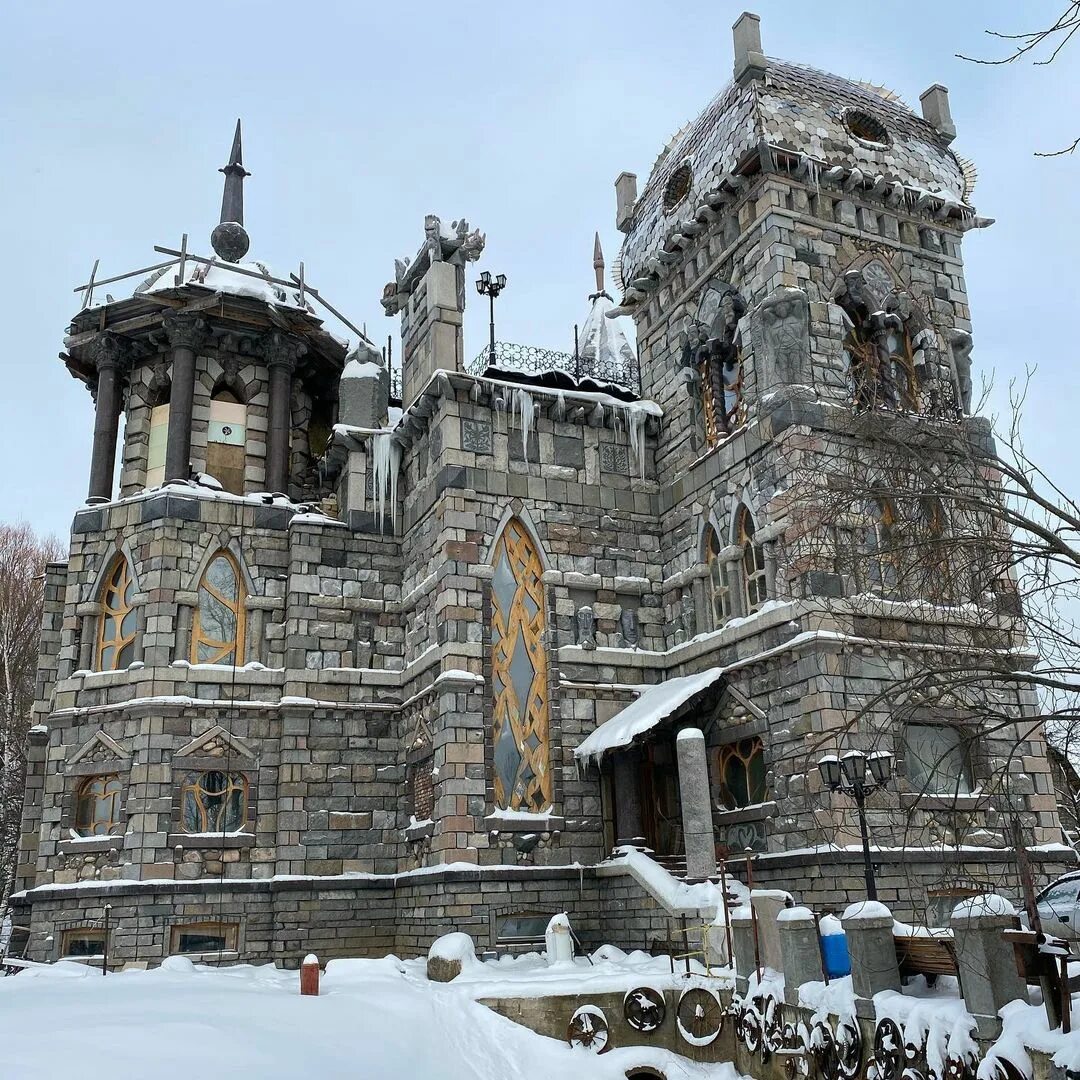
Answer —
657 704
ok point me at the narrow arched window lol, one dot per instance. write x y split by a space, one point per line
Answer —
214 801
155 452
718 584
740 768
218 632
97 806
519 674
226 440
755 588
116 642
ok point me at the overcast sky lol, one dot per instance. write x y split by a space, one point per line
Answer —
360 118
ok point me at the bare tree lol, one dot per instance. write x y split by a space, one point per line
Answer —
23 557
935 533
1052 38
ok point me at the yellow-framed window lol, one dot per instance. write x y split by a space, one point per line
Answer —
218 631
214 801
116 640
97 806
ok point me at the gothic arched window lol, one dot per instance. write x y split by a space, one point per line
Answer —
97 806
755 587
218 631
226 440
740 770
718 584
519 674
116 640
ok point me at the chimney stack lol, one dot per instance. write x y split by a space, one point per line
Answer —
935 110
625 197
749 59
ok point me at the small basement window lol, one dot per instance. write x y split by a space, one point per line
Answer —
866 128
677 187
83 941
205 937
523 928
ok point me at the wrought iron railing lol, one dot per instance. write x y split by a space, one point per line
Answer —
532 360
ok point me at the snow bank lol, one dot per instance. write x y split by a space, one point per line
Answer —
377 1018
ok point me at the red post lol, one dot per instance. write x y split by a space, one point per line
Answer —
309 976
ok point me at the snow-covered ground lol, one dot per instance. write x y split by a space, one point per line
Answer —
377 1019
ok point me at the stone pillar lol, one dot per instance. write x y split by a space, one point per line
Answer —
767 904
281 357
742 943
628 830
799 949
696 804
107 351
869 928
185 618
988 975
186 332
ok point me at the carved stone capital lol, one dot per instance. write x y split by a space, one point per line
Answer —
186 330
108 351
282 351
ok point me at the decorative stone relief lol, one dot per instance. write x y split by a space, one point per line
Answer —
476 436
586 627
629 627
614 459
961 344
784 322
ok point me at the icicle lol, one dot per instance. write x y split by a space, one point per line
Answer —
386 461
635 425
813 172
525 408
558 410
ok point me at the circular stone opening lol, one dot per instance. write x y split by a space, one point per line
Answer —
866 128
644 1072
677 187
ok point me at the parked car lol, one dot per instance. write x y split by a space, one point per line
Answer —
1059 906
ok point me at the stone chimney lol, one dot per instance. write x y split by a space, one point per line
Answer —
749 59
429 293
625 198
935 110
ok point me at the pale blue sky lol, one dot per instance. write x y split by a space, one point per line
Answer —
359 119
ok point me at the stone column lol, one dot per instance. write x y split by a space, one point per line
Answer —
107 351
281 356
767 905
988 975
869 928
628 830
186 332
799 949
696 804
742 943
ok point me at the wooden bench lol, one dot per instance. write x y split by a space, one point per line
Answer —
927 955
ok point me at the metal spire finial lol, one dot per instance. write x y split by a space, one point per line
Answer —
598 264
229 239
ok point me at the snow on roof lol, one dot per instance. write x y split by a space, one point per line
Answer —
220 276
654 706
603 347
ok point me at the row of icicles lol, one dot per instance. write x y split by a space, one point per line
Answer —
629 416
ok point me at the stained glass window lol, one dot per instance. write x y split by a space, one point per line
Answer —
97 806
116 644
213 801
741 773
519 674
754 582
719 589
218 632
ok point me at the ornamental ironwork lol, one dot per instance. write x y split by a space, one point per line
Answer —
533 360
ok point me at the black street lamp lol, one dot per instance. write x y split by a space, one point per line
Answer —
857 775
490 287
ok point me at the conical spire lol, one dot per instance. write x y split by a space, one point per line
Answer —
229 239
604 353
598 263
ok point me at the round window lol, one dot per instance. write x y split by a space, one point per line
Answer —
866 128
677 187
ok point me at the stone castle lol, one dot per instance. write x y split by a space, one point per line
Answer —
342 666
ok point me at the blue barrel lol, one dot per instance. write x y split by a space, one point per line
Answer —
837 961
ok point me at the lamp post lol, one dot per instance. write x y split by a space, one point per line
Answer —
489 286
857 775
